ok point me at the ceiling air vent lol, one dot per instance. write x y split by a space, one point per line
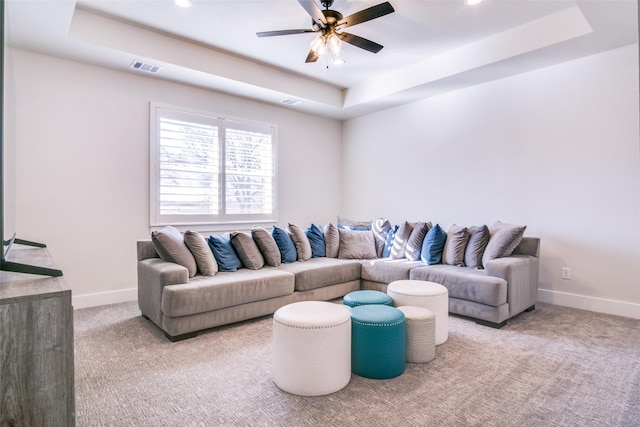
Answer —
137 65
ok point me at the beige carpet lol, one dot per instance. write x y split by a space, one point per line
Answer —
555 366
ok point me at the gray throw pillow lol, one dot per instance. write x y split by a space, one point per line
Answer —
380 228
170 245
478 239
504 238
331 240
400 241
301 242
356 244
455 245
414 244
197 244
268 246
247 250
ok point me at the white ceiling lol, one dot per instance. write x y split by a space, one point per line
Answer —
430 46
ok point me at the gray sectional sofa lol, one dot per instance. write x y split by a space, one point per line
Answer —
182 305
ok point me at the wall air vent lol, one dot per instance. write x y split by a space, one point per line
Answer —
137 65
290 101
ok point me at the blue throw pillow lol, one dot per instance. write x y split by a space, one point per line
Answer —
285 244
316 238
388 243
224 253
433 246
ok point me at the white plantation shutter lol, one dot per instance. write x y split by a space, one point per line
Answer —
249 171
208 170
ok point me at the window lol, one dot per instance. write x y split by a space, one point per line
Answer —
207 170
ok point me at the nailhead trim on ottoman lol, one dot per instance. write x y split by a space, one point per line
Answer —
425 294
312 347
378 341
421 333
365 297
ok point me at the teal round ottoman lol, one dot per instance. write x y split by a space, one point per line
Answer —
378 341
356 298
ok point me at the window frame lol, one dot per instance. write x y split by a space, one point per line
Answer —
221 220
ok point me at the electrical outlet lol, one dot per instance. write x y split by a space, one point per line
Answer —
566 273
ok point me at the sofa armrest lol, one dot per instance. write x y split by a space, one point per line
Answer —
153 275
521 274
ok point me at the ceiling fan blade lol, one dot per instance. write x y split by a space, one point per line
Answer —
360 42
282 32
312 57
314 11
365 15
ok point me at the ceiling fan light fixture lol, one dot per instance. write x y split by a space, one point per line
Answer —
335 46
472 2
183 3
318 45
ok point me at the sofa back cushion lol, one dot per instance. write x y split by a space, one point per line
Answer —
416 238
433 245
300 241
503 240
356 244
223 251
285 244
455 245
170 245
197 244
316 239
267 245
478 239
400 240
331 240
247 250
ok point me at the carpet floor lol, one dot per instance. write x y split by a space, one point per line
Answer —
554 366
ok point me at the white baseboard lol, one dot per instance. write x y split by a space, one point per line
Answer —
600 305
104 298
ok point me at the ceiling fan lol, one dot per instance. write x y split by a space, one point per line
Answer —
330 23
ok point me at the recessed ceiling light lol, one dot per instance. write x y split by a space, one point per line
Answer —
472 2
183 3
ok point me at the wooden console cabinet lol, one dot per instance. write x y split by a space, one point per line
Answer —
36 346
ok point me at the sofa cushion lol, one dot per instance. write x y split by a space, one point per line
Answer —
433 245
414 244
316 239
478 239
386 270
455 245
169 244
380 228
301 242
400 240
502 241
331 240
223 251
285 245
356 244
197 244
388 243
268 246
465 283
320 272
247 250
225 289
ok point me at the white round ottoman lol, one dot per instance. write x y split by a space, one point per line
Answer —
421 333
425 294
312 347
